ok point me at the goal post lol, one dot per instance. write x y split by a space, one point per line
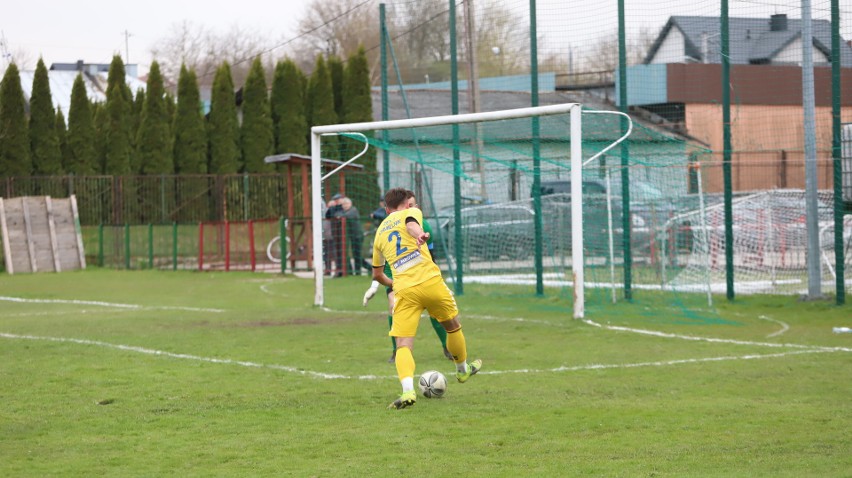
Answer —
574 112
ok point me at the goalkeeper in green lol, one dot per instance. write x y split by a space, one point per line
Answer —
374 287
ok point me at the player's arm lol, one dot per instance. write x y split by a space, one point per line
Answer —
380 277
413 228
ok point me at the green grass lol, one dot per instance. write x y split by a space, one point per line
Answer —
654 406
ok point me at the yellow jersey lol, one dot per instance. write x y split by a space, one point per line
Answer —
411 265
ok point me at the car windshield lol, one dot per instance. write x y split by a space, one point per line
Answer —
640 191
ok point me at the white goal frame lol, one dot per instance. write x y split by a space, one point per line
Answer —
576 153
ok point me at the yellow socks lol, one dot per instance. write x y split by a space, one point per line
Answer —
404 363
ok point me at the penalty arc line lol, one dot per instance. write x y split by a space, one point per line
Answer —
330 376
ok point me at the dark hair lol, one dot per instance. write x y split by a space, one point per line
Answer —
395 197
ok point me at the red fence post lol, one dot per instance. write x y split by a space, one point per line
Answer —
227 246
201 246
251 244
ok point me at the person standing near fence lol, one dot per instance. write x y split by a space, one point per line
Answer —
327 240
354 233
333 214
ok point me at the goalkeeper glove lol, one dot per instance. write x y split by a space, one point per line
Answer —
371 292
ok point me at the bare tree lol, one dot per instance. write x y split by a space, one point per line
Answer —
603 55
204 51
502 40
336 27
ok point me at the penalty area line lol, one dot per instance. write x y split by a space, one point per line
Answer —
667 335
197 358
116 305
662 363
331 376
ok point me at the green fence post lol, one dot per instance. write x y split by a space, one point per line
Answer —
384 77
726 154
837 156
127 246
150 245
625 153
101 245
174 245
457 166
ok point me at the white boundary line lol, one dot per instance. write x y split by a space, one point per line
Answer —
104 304
715 340
329 376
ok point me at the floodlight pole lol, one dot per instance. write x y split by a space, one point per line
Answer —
808 102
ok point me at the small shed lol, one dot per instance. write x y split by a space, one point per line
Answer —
299 230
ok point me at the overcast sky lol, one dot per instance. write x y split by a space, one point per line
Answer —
93 30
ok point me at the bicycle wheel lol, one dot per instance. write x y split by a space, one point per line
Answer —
273 249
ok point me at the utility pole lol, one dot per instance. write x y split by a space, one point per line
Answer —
473 89
127 36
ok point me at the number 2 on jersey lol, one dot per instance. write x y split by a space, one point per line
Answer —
399 250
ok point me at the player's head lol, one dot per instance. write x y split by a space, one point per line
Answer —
395 198
410 200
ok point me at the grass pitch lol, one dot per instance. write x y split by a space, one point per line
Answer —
115 373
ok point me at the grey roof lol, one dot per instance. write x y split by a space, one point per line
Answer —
750 39
438 102
426 103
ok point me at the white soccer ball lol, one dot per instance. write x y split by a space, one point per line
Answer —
433 384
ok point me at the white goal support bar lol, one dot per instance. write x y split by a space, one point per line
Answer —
576 150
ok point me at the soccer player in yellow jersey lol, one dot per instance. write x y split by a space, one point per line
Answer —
417 284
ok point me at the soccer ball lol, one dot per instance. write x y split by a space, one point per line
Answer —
433 384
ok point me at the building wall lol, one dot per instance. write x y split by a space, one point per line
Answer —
792 53
752 84
768 145
672 50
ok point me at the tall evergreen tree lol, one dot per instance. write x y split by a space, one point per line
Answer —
288 108
170 105
152 141
44 144
116 132
322 106
222 126
117 127
81 131
118 76
335 68
190 143
256 137
358 107
14 142
100 122
62 139
136 120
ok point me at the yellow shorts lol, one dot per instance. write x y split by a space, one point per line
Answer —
432 295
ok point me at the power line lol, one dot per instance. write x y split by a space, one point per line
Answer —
287 42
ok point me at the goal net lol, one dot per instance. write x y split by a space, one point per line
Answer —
497 190
769 247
